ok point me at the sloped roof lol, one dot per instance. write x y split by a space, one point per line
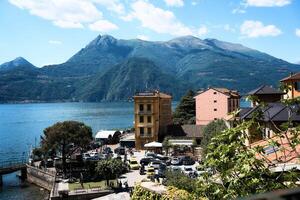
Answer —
285 154
292 77
225 91
188 130
264 89
272 112
104 134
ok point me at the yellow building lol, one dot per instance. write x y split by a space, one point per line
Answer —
293 81
153 113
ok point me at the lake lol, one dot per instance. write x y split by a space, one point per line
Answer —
21 126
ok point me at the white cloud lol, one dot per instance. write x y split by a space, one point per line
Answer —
298 32
63 13
175 3
103 26
157 19
254 29
67 24
55 42
267 3
142 37
238 10
202 31
112 5
228 28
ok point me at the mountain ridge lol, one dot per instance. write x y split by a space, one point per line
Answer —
113 69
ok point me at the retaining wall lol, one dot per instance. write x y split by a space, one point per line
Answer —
40 177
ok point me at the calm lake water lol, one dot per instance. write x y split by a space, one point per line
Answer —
21 126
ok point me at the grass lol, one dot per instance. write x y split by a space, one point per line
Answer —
90 185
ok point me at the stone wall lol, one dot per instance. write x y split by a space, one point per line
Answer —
40 177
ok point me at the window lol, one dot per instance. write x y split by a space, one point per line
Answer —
141 119
148 107
141 107
142 131
149 131
215 109
215 101
149 119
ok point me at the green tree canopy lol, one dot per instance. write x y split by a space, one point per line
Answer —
180 181
240 172
110 169
186 109
210 131
60 136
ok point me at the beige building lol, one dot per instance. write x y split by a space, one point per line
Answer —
153 113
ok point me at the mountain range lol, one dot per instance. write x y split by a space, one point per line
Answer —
110 69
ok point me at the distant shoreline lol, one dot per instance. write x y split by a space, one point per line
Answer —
60 101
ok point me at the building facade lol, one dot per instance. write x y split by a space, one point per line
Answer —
153 113
293 82
215 103
265 94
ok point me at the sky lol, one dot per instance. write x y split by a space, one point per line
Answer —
51 31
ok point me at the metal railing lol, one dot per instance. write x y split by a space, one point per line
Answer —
11 163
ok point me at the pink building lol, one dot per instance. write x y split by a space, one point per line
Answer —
215 103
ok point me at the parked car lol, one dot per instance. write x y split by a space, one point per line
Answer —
150 154
175 169
49 162
94 156
120 150
86 156
175 161
107 150
187 171
155 164
187 160
142 170
146 160
133 164
150 172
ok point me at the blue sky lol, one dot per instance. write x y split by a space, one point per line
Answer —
51 31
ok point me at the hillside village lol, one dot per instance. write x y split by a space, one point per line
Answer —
162 158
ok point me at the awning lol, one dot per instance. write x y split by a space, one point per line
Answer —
179 142
104 134
153 144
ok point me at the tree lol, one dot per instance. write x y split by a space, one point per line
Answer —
180 181
186 109
62 135
110 169
210 131
240 171
115 138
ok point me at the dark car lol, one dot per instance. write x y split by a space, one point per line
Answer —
146 160
107 150
120 151
187 160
